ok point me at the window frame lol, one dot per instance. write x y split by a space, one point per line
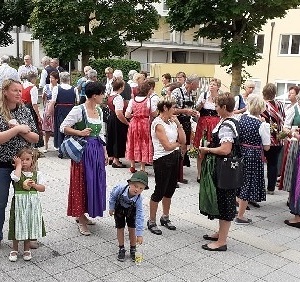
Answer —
289 46
256 39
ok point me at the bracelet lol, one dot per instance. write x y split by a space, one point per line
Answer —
179 126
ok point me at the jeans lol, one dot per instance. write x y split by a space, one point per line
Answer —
272 157
4 192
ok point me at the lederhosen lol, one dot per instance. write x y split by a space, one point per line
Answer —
123 214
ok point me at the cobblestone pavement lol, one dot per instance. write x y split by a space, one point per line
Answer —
267 250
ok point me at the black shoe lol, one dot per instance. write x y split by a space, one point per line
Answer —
254 204
220 249
198 180
132 253
167 223
121 255
184 181
61 156
177 185
110 162
153 228
207 237
118 166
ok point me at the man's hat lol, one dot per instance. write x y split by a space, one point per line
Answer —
139 176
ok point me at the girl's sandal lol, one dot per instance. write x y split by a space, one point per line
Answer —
27 255
13 256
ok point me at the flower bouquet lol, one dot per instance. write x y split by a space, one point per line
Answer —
193 152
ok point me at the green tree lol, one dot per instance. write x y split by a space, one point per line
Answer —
96 29
234 21
13 13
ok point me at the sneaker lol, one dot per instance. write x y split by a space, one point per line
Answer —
132 253
121 255
239 221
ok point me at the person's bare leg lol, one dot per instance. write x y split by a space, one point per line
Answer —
242 208
223 234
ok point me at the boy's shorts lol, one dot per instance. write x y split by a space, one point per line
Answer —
122 217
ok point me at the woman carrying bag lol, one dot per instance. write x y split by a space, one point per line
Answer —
224 138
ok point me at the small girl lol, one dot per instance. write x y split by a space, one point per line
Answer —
26 221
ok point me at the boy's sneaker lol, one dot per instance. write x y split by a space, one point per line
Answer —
132 253
121 255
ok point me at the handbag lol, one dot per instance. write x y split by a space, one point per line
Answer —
73 146
229 169
230 172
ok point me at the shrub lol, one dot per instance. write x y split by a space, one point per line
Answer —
121 64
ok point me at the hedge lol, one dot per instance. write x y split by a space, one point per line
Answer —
121 64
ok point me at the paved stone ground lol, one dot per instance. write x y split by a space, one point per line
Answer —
267 250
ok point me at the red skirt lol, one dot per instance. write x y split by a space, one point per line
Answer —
205 123
77 203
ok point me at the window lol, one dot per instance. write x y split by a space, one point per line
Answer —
259 41
283 87
290 44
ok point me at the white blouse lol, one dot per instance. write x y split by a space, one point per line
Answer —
33 92
207 104
140 99
75 115
39 177
290 115
171 133
118 101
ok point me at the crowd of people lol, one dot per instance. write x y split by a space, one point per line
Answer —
127 120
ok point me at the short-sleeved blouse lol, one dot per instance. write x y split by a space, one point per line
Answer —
9 149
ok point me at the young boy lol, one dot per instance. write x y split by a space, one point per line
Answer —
126 204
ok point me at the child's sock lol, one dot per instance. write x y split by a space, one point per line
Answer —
165 217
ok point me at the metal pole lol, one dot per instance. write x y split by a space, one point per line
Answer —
270 50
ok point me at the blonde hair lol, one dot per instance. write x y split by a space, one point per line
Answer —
255 104
137 77
217 81
34 153
4 110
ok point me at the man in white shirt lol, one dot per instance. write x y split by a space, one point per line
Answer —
45 72
7 72
26 68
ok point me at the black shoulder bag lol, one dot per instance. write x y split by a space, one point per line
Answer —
229 169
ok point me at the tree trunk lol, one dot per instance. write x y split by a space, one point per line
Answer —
236 78
85 58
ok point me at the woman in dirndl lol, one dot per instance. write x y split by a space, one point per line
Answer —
208 117
117 125
222 144
87 191
139 146
48 118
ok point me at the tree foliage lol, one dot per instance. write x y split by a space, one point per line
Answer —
121 64
100 28
234 21
13 13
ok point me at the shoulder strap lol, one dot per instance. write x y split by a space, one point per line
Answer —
236 146
205 95
240 101
182 96
84 116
